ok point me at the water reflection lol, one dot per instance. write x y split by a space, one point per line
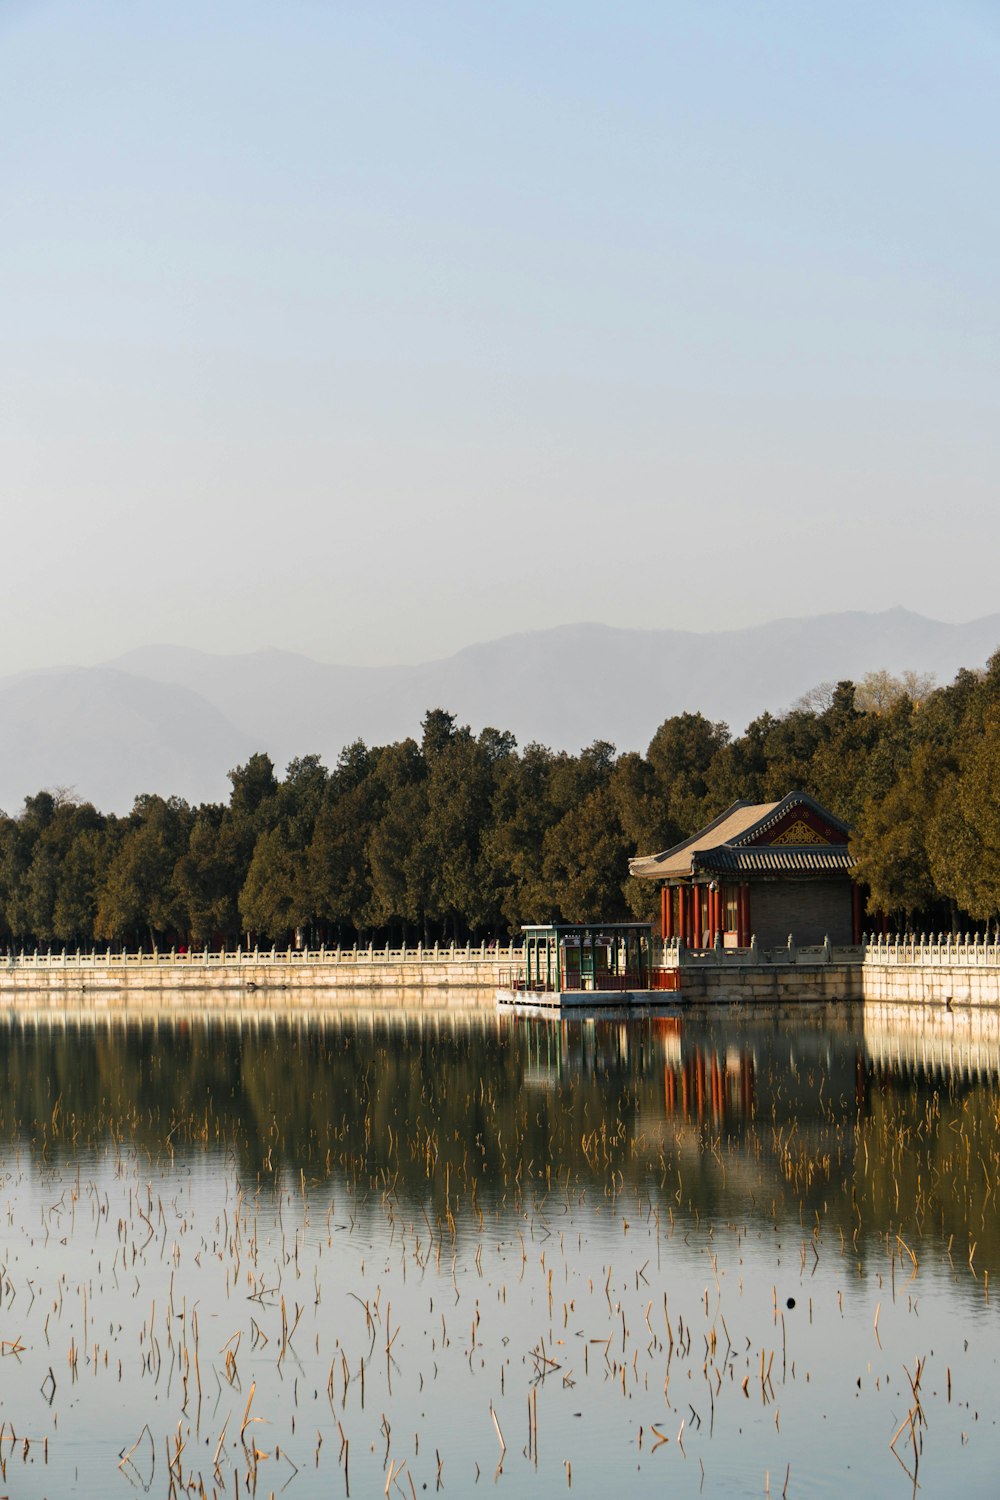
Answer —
259 1071
476 1214
811 1107
935 1045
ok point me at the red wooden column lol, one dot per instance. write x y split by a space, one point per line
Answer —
856 907
696 918
744 908
667 912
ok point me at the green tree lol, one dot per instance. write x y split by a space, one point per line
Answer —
681 753
81 877
400 878
274 898
18 838
522 807
586 861
955 850
972 868
890 842
46 879
138 898
206 881
458 792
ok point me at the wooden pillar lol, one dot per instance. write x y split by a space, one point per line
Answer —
667 912
744 919
856 908
696 921
682 931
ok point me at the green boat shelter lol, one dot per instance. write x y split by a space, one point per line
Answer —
588 956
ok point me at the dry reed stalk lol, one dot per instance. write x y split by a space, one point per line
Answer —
496 1424
246 1414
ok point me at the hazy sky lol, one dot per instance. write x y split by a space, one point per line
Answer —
372 329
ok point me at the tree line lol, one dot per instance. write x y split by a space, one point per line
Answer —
460 835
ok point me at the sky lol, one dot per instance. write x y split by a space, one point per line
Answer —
374 329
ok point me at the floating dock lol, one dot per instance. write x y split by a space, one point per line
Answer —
548 1002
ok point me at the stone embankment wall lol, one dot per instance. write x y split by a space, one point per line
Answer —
904 971
252 979
946 970
786 975
875 983
954 985
771 984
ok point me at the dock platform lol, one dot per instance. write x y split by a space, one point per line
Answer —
544 1002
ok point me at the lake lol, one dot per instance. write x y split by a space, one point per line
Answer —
371 1253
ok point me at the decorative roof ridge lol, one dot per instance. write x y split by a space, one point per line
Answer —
778 811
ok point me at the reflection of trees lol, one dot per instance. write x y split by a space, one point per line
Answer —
711 1118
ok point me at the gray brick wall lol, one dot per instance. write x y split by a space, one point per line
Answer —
808 909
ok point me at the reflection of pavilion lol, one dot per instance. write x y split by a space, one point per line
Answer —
700 1080
599 1045
937 1044
711 1082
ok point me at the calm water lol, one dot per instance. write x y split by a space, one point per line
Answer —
374 1254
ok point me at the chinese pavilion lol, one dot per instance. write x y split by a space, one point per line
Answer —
767 869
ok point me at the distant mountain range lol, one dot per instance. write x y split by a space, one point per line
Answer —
172 720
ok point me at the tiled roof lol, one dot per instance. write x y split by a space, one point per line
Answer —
761 861
726 827
724 844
